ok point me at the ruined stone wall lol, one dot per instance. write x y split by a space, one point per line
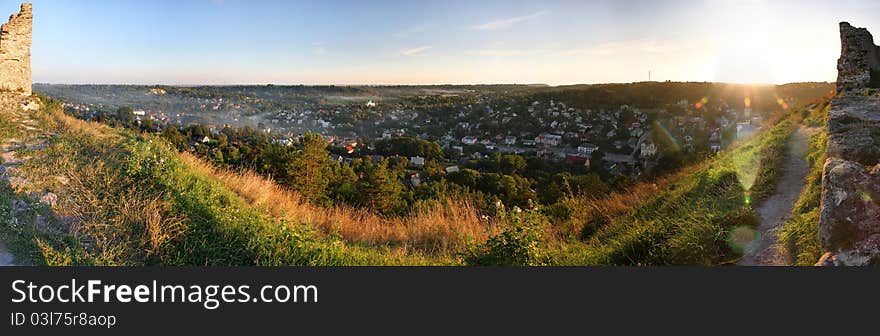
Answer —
15 51
849 221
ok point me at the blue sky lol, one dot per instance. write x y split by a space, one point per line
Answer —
424 42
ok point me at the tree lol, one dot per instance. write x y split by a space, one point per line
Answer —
343 184
380 191
305 169
125 115
171 134
511 164
465 177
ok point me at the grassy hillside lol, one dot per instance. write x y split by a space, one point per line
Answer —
91 195
87 194
702 216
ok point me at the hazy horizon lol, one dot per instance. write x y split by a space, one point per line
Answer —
415 85
351 43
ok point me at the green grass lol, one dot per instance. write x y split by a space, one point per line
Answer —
800 233
132 201
691 221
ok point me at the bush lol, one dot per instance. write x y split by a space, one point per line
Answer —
517 245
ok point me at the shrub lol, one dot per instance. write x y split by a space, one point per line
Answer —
517 245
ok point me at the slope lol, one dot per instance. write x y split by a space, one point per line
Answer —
79 193
705 215
773 213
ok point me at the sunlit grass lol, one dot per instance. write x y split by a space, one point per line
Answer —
800 233
130 199
702 217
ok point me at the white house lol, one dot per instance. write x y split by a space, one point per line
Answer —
549 139
648 149
587 148
745 129
417 160
469 140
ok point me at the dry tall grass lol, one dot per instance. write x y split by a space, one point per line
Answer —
117 221
589 214
440 229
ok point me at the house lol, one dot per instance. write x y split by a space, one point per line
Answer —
469 140
578 159
587 148
715 147
417 160
528 143
648 149
206 139
549 139
416 180
510 140
715 136
619 158
745 129
452 169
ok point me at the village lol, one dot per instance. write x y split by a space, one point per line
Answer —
617 141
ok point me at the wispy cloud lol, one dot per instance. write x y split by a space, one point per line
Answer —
508 22
414 51
627 47
415 30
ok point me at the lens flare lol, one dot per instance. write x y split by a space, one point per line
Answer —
667 135
747 165
781 102
742 238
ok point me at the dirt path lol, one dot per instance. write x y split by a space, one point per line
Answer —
777 209
11 158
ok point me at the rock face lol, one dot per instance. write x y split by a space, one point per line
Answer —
15 52
859 60
849 221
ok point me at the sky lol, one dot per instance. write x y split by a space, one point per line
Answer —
439 42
